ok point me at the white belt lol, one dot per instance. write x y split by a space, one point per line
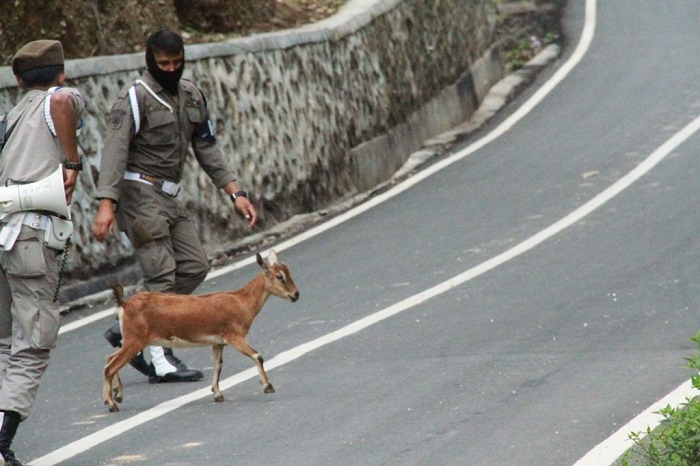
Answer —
11 226
168 187
37 221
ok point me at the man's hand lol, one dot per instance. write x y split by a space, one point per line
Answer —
70 178
242 204
246 209
103 226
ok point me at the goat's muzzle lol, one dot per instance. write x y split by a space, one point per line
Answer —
293 297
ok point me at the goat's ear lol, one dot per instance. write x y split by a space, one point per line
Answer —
261 262
272 257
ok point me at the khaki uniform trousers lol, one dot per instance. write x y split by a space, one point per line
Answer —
29 319
169 251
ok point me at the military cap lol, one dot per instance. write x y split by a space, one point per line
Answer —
37 54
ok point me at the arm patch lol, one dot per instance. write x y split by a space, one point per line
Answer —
205 132
116 118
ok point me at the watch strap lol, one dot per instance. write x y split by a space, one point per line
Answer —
73 165
240 193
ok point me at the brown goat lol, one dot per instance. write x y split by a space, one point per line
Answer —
185 321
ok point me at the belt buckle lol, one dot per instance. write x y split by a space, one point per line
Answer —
150 179
170 188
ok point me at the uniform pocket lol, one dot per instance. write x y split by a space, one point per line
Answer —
156 260
45 328
158 118
26 260
32 271
161 128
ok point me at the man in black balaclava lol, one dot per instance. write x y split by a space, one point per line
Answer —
150 128
165 58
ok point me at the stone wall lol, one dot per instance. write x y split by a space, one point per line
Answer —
306 117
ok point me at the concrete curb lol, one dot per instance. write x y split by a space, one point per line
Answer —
498 96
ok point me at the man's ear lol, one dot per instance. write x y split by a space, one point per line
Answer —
20 83
61 79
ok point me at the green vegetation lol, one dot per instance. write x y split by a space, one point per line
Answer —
676 442
526 48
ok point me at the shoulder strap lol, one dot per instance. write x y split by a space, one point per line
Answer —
134 103
135 112
47 110
4 132
155 96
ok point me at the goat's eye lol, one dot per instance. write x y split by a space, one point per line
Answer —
280 277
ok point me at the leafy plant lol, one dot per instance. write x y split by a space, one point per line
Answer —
676 442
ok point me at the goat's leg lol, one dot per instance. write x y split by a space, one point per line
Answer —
117 388
217 360
112 389
116 385
111 374
242 345
107 385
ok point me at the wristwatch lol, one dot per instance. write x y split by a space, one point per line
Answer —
238 194
73 165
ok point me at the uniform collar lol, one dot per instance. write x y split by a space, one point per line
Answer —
152 83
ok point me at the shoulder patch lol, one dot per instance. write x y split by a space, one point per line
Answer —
116 118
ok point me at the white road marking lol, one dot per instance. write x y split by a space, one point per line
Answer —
88 320
584 43
608 451
605 453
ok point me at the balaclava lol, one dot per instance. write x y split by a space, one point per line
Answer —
164 41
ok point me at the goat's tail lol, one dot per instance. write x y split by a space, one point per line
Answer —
118 291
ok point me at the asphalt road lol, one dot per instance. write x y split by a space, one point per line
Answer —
535 352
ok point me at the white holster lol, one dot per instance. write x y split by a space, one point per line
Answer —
57 232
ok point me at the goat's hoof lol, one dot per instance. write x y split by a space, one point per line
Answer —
113 409
118 398
219 398
269 388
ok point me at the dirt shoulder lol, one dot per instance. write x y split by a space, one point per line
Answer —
89 28
109 27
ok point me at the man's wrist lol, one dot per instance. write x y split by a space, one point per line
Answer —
240 193
106 203
77 166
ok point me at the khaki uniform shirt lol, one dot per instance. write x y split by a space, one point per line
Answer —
161 146
29 318
32 152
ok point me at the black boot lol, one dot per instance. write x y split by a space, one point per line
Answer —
174 360
8 429
182 374
114 337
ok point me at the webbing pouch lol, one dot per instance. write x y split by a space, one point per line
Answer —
57 232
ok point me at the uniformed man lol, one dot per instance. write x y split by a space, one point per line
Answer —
150 128
40 134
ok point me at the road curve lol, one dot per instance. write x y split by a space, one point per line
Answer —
516 307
